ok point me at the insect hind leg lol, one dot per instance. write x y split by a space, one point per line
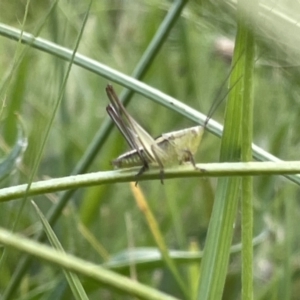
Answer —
145 166
143 169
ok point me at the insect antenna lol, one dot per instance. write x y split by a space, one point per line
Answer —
218 100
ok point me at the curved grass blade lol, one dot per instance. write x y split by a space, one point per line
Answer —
9 163
73 280
110 279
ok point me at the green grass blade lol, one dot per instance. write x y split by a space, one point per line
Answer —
220 231
73 280
246 155
80 266
150 258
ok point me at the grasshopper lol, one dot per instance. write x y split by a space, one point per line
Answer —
169 149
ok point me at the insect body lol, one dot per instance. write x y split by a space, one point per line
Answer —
168 150
178 147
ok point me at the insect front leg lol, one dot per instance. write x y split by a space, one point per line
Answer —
192 160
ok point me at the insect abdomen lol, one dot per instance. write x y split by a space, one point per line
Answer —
128 159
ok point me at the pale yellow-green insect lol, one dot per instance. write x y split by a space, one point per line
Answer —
169 149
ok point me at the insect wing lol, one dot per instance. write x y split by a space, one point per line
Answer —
134 134
128 135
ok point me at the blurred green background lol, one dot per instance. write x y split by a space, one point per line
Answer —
191 68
